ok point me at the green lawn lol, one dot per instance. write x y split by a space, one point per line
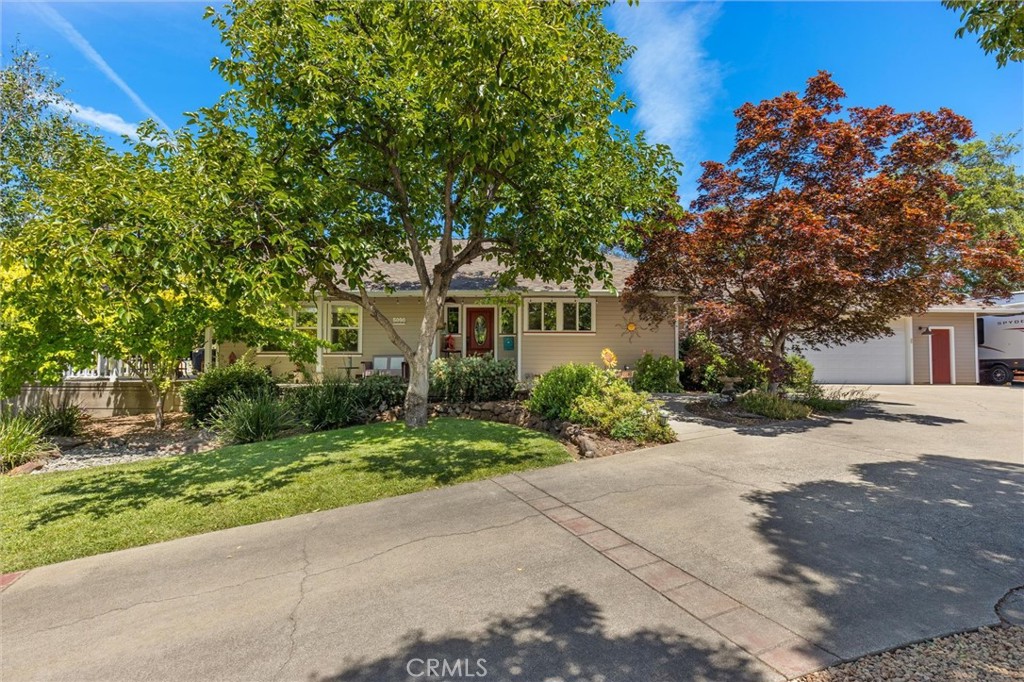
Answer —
64 515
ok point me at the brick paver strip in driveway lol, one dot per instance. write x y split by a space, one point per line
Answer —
774 644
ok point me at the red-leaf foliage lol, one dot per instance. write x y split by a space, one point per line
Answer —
822 228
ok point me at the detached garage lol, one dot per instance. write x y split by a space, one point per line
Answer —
938 347
887 360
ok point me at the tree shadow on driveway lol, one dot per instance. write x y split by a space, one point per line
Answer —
565 638
912 549
676 410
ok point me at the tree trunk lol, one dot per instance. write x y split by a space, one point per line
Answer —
417 407
158 410
777 371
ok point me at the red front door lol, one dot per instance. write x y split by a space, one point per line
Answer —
480 331
942 372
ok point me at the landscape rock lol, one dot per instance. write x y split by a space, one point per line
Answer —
27 468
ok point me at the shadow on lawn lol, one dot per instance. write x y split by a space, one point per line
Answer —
924 546
440 455
563 639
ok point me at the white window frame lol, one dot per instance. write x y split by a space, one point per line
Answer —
295 311
454 306
329 327
515 320
559 322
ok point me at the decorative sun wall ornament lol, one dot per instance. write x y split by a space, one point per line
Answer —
630 328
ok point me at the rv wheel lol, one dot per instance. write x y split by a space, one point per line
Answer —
1000 374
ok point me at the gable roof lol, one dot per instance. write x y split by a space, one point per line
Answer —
482 275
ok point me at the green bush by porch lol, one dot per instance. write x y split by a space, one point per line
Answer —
60 516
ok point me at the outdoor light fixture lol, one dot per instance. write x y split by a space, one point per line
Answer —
925 331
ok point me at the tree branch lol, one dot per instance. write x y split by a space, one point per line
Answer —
363 300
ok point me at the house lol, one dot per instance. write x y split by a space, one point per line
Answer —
541 326
937 347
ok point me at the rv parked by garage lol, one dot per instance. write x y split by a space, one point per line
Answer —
1000 347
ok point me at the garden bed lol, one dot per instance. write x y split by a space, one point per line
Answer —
717 409
119 440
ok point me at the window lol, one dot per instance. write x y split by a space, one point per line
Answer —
452 325
343 333
542 316
565 316
507 321
304 320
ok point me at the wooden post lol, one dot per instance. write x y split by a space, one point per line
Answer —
208 349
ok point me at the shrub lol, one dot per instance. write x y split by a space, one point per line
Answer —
706 363
242 418
21 440
657 375
62 419
834 399
201 396
328 404
618 411
773 406
472 379
379 392
556 390
801 374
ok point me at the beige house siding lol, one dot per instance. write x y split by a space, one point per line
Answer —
101 398
540 350
964 346
544 350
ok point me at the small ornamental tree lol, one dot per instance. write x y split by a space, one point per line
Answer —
822 229
392 131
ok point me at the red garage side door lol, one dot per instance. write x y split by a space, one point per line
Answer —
942 370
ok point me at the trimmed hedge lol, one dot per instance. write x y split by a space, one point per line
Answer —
472 379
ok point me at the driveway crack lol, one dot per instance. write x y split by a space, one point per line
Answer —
165 600
423 539
293 621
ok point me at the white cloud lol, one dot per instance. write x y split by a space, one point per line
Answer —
670 77
112 123
64 27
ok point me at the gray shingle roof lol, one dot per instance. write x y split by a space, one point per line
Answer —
482 275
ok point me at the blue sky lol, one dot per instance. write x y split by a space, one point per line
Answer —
695 63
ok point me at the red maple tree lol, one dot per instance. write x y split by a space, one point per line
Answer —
823 227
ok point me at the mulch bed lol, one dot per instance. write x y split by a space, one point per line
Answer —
118 440
990 654
730 413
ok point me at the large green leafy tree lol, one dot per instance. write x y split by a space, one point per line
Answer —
998 23
991 193
115 253
33 125
388 131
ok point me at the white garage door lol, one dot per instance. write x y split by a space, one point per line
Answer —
879 361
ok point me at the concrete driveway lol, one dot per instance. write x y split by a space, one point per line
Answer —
735 554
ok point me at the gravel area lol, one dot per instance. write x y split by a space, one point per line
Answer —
118 440
991 654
